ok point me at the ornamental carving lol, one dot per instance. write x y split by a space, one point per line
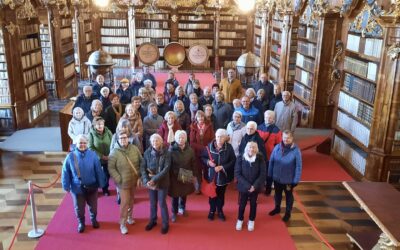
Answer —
174 18
366 23
336 73
12 28
394 51
308 17
347 7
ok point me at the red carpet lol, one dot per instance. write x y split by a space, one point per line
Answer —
206 79
310 142
192 232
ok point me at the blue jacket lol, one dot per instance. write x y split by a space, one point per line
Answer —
285 167
250 174
90 171
252 114
84 102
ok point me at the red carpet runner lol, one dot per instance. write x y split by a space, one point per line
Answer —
192 232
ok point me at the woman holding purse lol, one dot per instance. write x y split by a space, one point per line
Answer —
250 174
183 173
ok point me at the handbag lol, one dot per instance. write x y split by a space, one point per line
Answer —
209 188
86 189
185 175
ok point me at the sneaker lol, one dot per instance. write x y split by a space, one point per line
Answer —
181 211
124 229
250 225
130 220
150 225
268 191
275 211
286 217
239 225
211 216
173 217
164 229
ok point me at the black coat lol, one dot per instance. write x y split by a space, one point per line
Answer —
181 159
250 174
255 138
224 157
158 164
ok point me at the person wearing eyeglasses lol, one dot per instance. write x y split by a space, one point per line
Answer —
124 167
82 176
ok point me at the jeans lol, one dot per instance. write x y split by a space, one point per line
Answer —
80 201
126 207
104 167
243 198
160 196
178 202
279 188
217 203
268 179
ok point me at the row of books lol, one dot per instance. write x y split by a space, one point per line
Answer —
29 44
66 33
233 26
31 59
114 32
69 70
305 63
4 91
4 83
116 50
28 29
153 16
277 23
365 69
89 48
153 33
190 42
119 62
88 37
3 75
67 47
197 34
308 49
228 52
349 151
229 64
305 77
359 88
230 18
275 61
227 34
276 48
116 40
5 113
36 110
156 41
45 43
48 73
273 72
355 107
33 75
308 32
34 90
144 24
257 40
65 21
114 22
68 59
302 91
231 43
358 130
2 49
277 36
5 99
368 46
3 66
197 18
258 21
87 26
202 26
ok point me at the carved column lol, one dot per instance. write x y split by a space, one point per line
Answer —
285 51
217 22
264 33
132 35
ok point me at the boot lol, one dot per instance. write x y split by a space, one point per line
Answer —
276 210
81 225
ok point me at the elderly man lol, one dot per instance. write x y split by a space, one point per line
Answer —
192 85
251 93
286 113
146 98
98 85
222 111
206 98
249 113
267 86
231 87
82 176
276 98
162 107
149 76
271 136
85 100
252 135
171 79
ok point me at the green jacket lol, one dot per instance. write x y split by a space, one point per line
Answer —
119 167
100 143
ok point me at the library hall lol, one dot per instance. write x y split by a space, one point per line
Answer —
200 124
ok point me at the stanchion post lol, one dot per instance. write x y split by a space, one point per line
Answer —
35 232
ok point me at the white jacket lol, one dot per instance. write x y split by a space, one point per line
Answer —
235 137
76 128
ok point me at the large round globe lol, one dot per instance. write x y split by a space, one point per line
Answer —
99 62
248 64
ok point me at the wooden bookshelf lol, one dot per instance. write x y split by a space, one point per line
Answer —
316 39
367 126
48 62
257 34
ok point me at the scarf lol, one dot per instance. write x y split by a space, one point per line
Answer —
237 126
193 109
117 112
285 148
250 159
171 135
178 113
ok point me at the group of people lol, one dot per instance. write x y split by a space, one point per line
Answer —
173 141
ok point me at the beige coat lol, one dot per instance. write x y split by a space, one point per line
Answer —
231 90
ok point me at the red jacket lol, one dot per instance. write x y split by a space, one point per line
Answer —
198 143
270 138
163 131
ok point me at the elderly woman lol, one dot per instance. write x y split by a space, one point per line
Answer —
236 130
219 161
145 98
104 97
137 83
168 128
209 112
99 84
182 160
133 116
78 125
155 176
250 174
125 126
113 113
285 166
124 91
99 141
179 96
194 106
201 134
124 167
151 123
252 135
95 110
82 176
182 116
148 85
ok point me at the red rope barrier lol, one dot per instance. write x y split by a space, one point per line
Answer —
48 186
303 210
20 220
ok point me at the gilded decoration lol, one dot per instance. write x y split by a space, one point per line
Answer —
12 28
26 11
174 18
335 74
366 23
394 51
55 23
308 17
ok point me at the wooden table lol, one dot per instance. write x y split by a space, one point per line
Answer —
381 201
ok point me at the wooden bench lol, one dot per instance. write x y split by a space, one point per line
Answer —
381 201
